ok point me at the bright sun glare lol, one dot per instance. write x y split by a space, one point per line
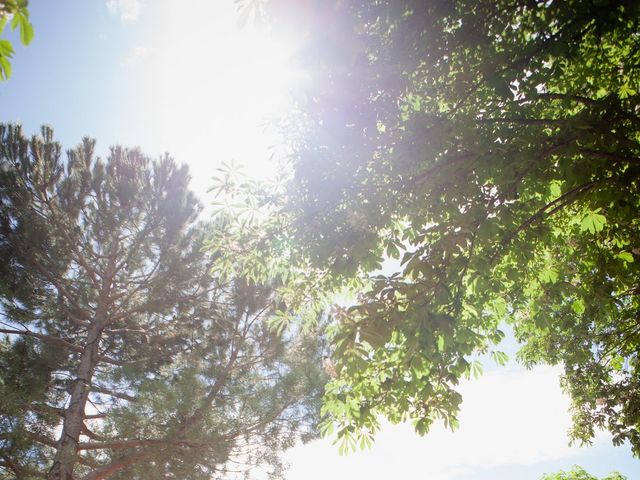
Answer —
210 86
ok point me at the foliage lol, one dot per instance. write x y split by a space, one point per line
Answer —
16 13
492 149
578 473
254 242
126 356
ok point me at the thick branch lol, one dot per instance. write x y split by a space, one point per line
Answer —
116 465
523 121
213 392
567 96
115 444
610 155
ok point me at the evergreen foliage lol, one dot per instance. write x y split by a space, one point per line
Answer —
124 356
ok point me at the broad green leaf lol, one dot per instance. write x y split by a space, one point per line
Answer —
26 31
548 275
625 256
499 307
500 358
626 91
15 20
6 48
593 222
470 309
5 68
475 369
578 306
392 250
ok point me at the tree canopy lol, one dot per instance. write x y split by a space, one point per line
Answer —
578 473
124 356
493 149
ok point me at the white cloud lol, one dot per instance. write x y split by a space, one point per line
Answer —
128 10
509 417
136 54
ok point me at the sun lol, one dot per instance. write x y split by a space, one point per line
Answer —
211 88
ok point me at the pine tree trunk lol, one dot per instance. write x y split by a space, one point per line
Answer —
67 446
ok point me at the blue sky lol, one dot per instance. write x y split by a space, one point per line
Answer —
178 76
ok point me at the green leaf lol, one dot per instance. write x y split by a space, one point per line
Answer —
5 68
475 368
626 91
578 306
392 250
548 275
470 309
499 307
500 358
6 49
625 256
15 20
279 321
593 222
326 428
26 30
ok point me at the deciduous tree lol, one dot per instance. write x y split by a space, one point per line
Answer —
493 149
578 473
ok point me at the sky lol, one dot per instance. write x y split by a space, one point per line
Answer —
181 77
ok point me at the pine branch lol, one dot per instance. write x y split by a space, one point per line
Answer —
133 443
60 342
92 435
106 391
116 465
19 470
56 282
44 408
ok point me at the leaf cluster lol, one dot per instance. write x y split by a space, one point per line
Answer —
16 13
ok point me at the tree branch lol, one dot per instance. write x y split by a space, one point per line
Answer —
60 342
118 464
558 204
122 396
19 470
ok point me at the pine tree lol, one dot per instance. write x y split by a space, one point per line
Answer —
124 356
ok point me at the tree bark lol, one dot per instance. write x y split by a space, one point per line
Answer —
67 446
